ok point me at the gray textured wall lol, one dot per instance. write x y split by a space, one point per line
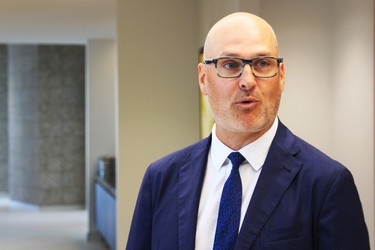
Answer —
46 124
3 120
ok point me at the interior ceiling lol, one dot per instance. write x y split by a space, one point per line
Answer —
56 21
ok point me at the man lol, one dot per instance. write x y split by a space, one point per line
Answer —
292 196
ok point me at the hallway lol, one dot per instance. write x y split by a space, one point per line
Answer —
26 227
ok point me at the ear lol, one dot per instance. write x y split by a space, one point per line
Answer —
282 76
202 77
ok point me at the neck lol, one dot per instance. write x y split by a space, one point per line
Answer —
238 140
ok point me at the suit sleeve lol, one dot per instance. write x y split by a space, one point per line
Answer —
141 227
341 223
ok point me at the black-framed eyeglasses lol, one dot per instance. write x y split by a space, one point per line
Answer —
232 67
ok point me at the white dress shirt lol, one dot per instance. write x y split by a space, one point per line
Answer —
218 170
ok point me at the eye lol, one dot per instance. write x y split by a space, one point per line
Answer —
230 64
262 63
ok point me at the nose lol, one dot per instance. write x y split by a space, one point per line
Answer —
247 79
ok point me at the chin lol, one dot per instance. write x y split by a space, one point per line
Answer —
253 127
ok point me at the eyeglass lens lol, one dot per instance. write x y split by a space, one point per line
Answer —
233 67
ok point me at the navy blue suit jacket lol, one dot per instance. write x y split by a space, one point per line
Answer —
303 200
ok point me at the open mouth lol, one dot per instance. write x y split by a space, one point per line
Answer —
247 103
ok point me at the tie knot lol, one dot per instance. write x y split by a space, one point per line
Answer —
236 158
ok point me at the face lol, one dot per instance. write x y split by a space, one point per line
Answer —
245 106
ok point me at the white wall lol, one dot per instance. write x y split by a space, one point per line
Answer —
100 113
157 91
328 52
353 96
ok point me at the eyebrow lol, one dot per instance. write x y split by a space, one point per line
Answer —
237 55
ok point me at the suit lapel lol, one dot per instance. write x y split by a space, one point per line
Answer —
278 172
190 183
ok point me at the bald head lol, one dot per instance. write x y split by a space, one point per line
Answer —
236 29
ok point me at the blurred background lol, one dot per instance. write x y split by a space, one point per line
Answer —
93 91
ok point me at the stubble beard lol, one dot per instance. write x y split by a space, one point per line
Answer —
247 122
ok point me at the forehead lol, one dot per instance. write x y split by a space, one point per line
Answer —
241 36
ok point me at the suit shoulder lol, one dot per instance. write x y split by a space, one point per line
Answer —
319 165
182 156
310 153
306 153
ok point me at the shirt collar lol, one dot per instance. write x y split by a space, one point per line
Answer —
255 153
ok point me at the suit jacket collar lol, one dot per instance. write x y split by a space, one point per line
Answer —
191 178
280 168
278 172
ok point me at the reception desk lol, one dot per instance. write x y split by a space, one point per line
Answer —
105 211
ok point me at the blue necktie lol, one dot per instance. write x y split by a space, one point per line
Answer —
228 221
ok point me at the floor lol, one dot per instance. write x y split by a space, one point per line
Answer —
27 227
